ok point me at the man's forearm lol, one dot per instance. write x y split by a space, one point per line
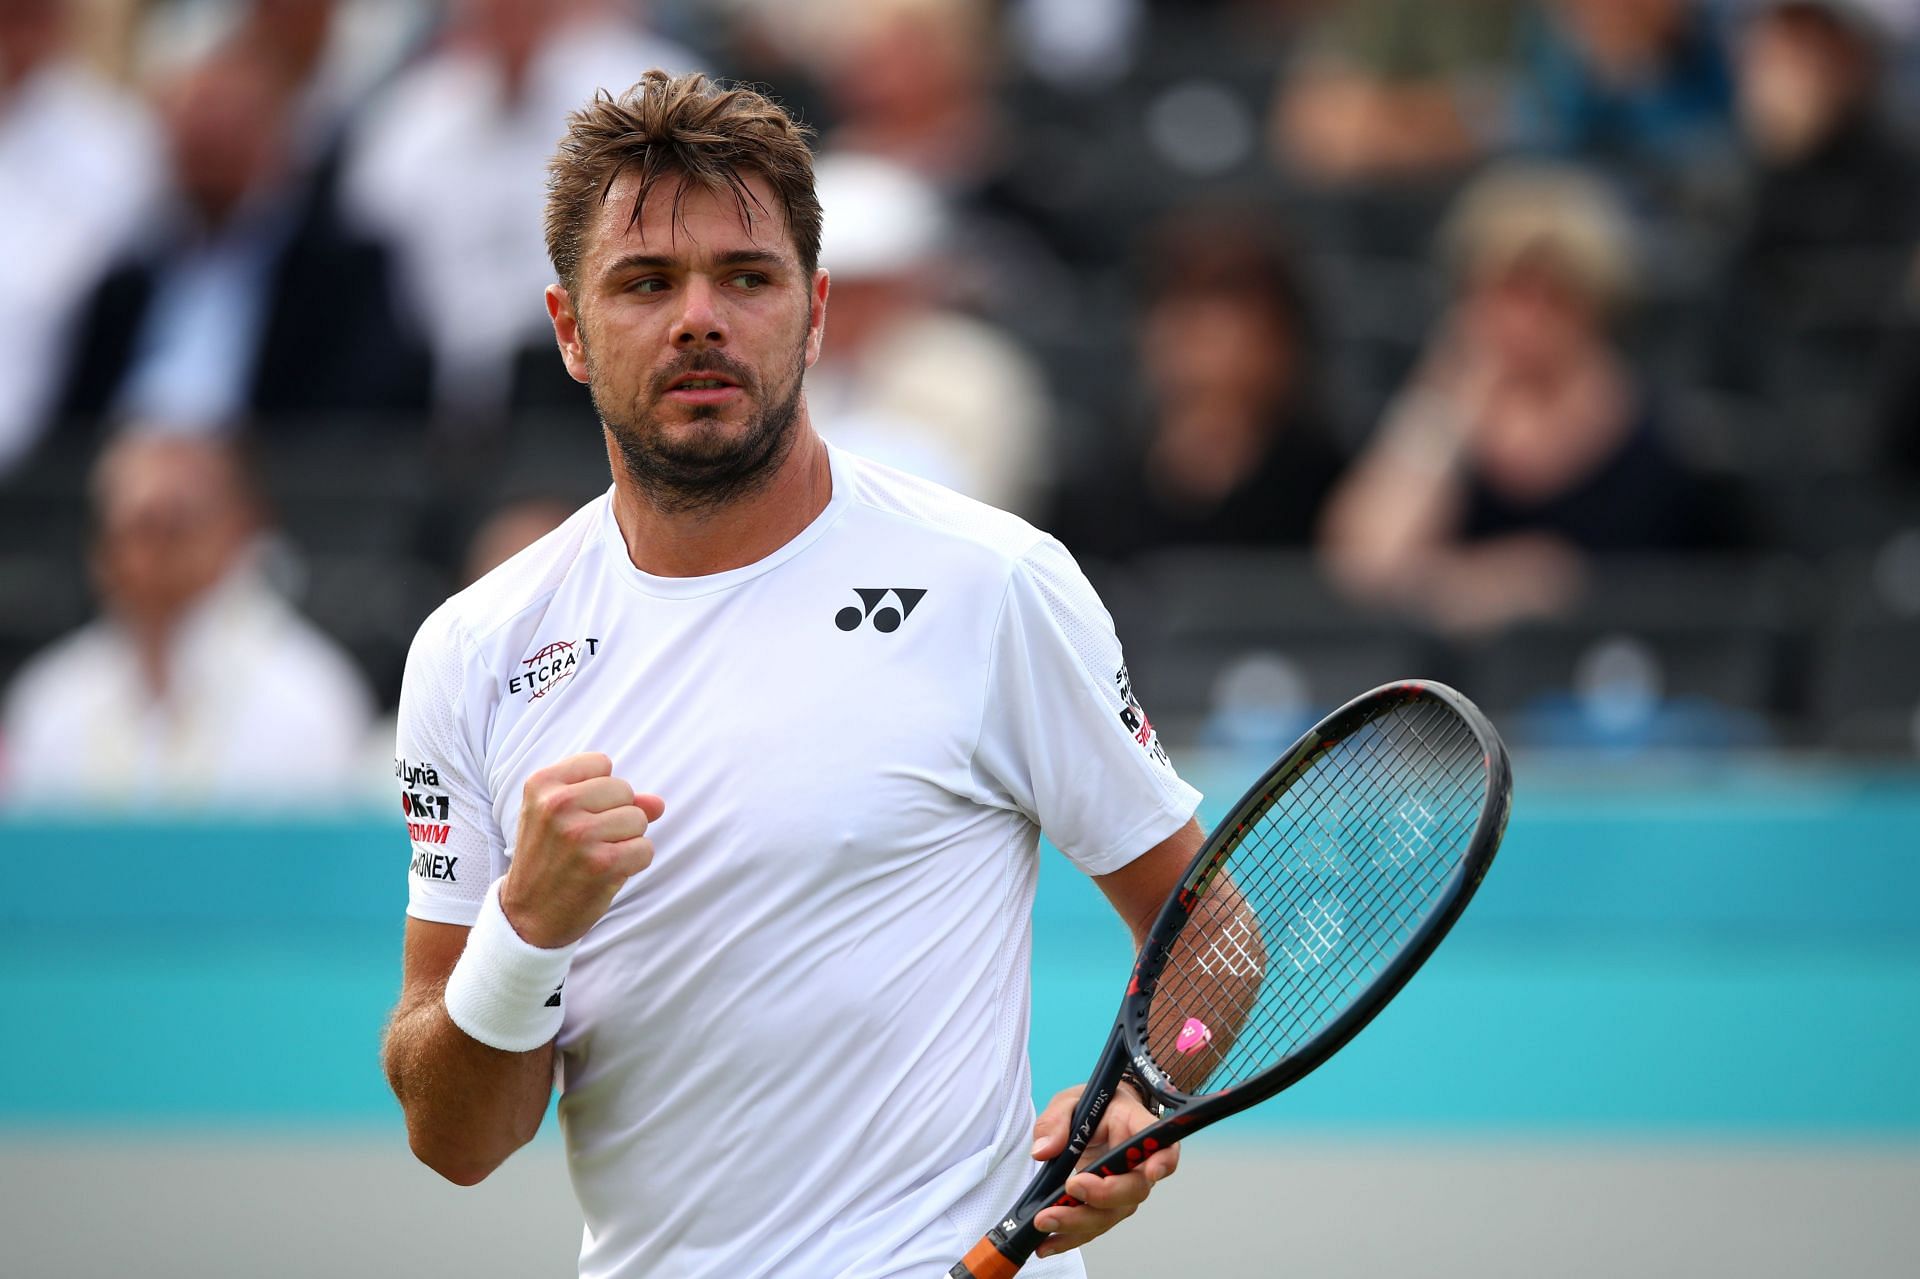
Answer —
468 1106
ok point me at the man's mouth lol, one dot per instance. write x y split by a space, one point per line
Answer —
702 389
701 380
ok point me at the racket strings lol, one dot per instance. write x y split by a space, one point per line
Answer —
1332 877
1271 1019
1399 879
1321 941
1393 905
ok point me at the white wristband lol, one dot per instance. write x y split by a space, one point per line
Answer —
503 991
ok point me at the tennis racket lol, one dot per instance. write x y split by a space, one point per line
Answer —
1307 909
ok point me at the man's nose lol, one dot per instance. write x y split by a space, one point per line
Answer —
699 323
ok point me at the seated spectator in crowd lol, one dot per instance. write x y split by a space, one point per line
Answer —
467 131
199 684
332 54
80 168
906 379
1833 207
1524 442
1396 89
510 529
912 80
244 302
1632 81
1234 446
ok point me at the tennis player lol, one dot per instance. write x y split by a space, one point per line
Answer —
725 796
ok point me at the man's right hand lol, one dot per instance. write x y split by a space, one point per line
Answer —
583 833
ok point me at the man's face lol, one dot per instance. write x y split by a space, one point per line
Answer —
170 526
693 331
1798 81
1217 346
1531 318
224 124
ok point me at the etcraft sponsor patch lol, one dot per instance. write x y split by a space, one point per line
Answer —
551 667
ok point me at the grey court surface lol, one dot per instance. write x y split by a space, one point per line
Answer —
161 1208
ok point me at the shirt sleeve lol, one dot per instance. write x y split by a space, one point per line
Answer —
454 839
1063 737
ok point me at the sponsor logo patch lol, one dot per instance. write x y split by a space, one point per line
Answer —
414 775
425 807
431 865
1135 718
552 667
886 619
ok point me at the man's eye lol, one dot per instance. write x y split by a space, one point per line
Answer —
749 279
652 284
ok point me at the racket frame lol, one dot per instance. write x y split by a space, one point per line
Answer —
1016 1236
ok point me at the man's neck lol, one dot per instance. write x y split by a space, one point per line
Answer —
740 532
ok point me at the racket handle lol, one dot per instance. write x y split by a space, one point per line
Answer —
1000 1252
999 1255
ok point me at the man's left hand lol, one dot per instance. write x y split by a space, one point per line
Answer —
1105 1201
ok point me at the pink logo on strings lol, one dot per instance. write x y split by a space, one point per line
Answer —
1193 1036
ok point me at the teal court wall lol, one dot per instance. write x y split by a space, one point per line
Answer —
1706 950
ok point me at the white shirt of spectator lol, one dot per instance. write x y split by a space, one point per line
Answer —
450 170
80 162
796 1044
262 711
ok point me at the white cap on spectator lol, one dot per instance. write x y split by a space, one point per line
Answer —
879 218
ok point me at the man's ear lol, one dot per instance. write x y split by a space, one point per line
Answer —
816 316
566 331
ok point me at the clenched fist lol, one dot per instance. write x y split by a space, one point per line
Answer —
583 833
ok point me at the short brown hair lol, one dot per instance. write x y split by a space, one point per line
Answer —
707 133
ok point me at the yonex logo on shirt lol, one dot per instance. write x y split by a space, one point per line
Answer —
432 865
884 619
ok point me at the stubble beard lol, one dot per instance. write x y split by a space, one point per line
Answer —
702 470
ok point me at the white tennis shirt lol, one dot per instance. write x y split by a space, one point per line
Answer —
796 1044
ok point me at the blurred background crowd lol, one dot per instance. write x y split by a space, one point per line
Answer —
1568 350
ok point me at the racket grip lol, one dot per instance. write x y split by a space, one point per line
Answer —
985 1261
999 1254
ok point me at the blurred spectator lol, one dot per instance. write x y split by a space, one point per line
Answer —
331 52
510 529
1524 442
902 378
1834 204
1625 80
1388 89
911 80
243 302
199 684
920 84
80 169
1237 448
448 165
